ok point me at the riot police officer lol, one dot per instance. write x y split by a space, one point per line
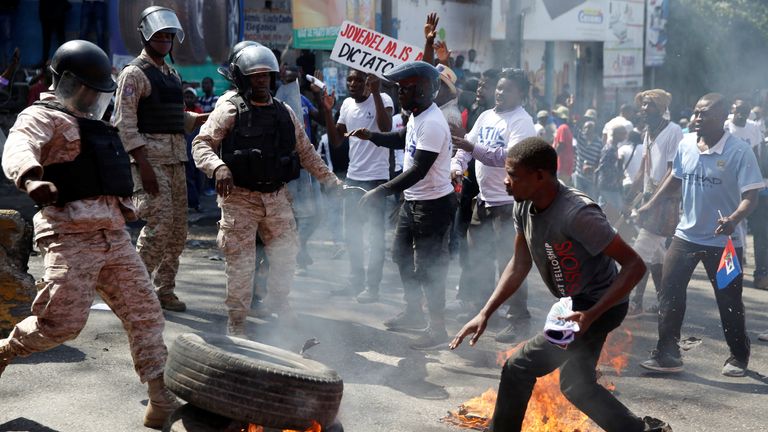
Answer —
73 166
149 112
253 144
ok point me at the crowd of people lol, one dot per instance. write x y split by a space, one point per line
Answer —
459 158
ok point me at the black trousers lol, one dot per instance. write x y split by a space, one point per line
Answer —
578 378
421 251
681 259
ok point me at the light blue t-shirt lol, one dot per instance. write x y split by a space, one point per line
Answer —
712 181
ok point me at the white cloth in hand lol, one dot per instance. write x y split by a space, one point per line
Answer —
559 331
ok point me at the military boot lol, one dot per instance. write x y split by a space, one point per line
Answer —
161 404
172 303
6 354
236 324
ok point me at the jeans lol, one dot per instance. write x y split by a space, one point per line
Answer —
354 222
421 252
578 378
491 246
759 229
585 184
93 18
681 259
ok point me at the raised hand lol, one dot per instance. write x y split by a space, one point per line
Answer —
430 27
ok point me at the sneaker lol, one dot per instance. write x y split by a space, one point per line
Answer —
655 425
508 335
407 320
635 310
6 355
763 337
260 310
761 282
368 296
172 303
734 368
663 363
431 340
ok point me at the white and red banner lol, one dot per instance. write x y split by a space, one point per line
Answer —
370 51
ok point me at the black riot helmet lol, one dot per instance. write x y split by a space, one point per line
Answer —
87 62
82 78
224 71
251 60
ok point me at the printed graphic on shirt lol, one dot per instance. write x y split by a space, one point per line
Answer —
564 267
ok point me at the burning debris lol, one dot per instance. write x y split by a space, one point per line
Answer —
253 428
548 410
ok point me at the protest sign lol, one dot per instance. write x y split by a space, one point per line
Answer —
370 51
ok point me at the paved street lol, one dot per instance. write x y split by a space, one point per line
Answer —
89 384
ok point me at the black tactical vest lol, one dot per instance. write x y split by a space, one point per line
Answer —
162 111
101 168
260 149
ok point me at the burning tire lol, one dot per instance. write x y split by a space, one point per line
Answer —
252 382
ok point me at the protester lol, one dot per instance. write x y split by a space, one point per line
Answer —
149 113
208 99
625 117
81 223
740 127
719 179
244 146
610 174
553 220
366 107
495 131
587 159
563 144
421 237
660 140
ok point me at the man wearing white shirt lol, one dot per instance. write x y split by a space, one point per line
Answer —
660 141
494 132
421 237
626 112
749 131
367 108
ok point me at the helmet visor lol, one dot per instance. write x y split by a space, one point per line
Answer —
81 100
161 20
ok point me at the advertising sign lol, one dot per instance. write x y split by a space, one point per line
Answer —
567 20
623 48
316 22
370 51
656 32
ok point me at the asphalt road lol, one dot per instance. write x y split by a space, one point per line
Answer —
88 384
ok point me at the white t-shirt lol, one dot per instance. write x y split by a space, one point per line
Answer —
494 130
663 151
750 132
366 161
616 121
398 124
540 131
633 162
429 131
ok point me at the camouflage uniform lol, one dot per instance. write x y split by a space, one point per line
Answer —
162 240
87 250
245 212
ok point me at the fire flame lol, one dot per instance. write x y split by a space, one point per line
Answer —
548 410
314 428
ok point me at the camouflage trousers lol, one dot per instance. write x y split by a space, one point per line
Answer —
77 266
163 238
243 214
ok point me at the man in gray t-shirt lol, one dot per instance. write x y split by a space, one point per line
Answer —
576 250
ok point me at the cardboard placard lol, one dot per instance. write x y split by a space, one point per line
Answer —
370 51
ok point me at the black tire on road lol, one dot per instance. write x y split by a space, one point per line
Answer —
189 418
252 382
